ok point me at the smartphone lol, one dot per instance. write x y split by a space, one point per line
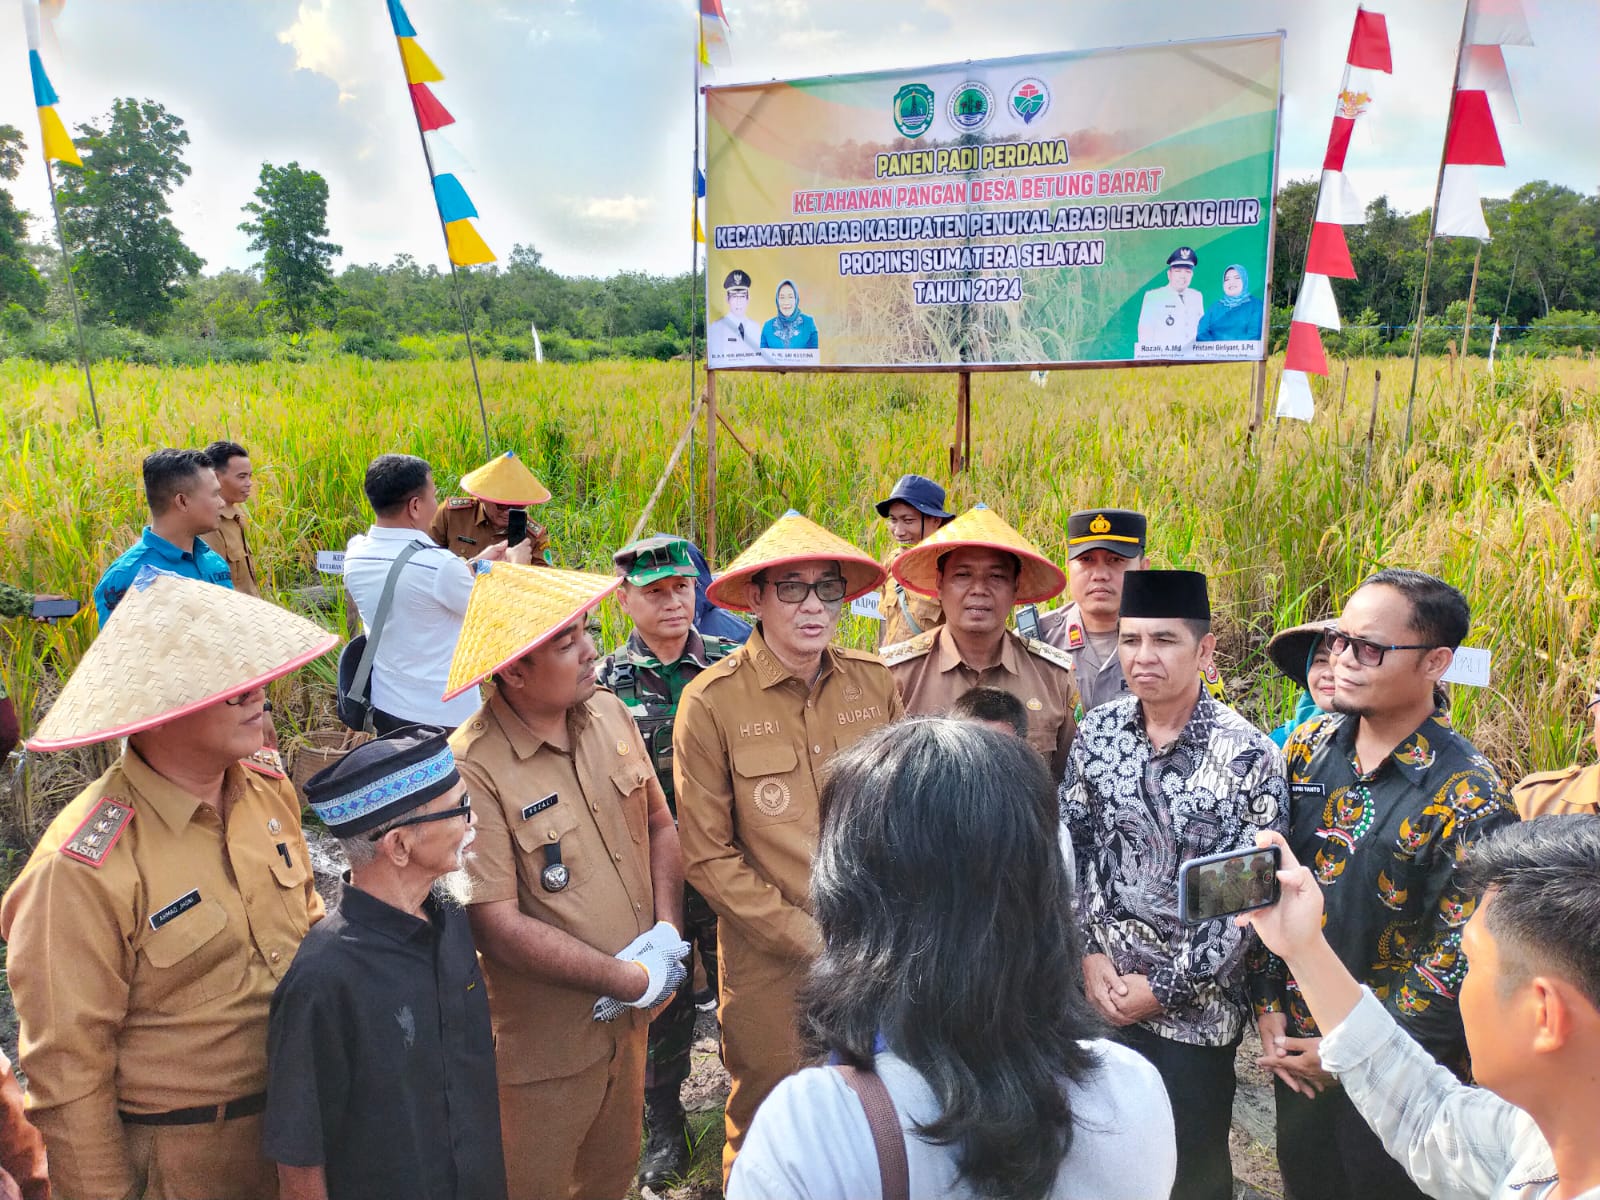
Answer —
1028 621
516 527
1221 885
49 608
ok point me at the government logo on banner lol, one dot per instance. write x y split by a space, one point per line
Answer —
913 109
1029 100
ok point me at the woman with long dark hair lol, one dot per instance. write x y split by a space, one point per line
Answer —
950 968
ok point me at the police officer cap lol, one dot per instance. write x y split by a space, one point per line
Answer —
1119 530
383 779
922 493
653 558
739 281
1183 256
1178 594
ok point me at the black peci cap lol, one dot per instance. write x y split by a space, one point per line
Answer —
1177 594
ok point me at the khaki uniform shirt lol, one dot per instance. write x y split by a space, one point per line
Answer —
931 675
924 611
462 528
749 749
1546 793
229 541
146 935
593 802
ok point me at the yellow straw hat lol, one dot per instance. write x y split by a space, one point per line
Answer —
172 647
917 569
515 608
505 479
793 539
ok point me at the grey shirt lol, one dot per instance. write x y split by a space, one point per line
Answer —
1099 677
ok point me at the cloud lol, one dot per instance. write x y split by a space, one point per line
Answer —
323 48
612 210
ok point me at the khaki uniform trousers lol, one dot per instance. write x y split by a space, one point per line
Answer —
759 1014
577 1137
221 1160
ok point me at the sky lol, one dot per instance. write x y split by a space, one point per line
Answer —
576 115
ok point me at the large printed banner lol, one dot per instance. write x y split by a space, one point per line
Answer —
1093 207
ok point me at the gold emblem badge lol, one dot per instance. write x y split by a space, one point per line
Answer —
272 825
852 692
622 746
1034 704
772 796
1100 524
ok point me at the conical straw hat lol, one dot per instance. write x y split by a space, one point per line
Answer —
793 539
513 609
505 479
917 569
172 647
1290 649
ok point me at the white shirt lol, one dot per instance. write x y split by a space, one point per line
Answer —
1168 317
810 1137
424 621
728 345
1456 1142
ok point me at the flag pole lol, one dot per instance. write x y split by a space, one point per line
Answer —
455 280
1433 224
694 260
72 290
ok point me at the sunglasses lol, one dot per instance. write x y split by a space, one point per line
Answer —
794 591
1368 654
464 809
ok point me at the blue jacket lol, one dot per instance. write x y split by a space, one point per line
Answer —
1304 709
203 563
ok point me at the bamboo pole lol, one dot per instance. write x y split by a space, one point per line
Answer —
711 467
72 290
455 280
694 268
1372 428
1472 299
677 451
1433 225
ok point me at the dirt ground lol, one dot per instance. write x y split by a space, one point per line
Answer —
1255 1163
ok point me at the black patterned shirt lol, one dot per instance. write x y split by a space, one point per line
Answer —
1384 845
1136 815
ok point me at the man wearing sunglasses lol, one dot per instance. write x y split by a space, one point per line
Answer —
648 673
1573 790
382 1080
751 742
1385 800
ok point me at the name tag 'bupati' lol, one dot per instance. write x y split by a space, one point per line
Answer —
176 909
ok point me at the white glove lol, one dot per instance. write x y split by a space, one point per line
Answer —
661 952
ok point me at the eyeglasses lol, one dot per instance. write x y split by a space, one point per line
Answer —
794 591
1368 654
464 809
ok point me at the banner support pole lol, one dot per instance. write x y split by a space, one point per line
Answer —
711 467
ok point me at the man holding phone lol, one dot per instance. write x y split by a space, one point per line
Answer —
495 509
1159 777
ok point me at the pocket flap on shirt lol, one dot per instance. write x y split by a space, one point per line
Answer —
290 876
631 778
756 759
185 933
551 825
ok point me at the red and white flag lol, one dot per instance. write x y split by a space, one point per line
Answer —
1482 90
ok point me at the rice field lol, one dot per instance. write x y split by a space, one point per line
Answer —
1499 491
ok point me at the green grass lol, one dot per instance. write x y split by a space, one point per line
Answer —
1498 491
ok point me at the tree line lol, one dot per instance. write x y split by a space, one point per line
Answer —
146 296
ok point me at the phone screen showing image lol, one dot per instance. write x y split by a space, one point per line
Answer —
1224 884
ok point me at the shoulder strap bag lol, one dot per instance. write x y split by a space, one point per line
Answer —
887 1137
353 697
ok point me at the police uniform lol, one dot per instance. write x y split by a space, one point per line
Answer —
750 746
146 936
1547 793
462 527
1169 317
931 676
229 540
571 1087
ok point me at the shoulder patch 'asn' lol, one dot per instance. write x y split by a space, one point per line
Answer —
905 651
93 840
1050 653
267 762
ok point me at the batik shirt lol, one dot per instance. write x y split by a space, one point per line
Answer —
1136 815
1384 846
651 688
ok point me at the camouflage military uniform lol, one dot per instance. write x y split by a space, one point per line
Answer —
651 689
